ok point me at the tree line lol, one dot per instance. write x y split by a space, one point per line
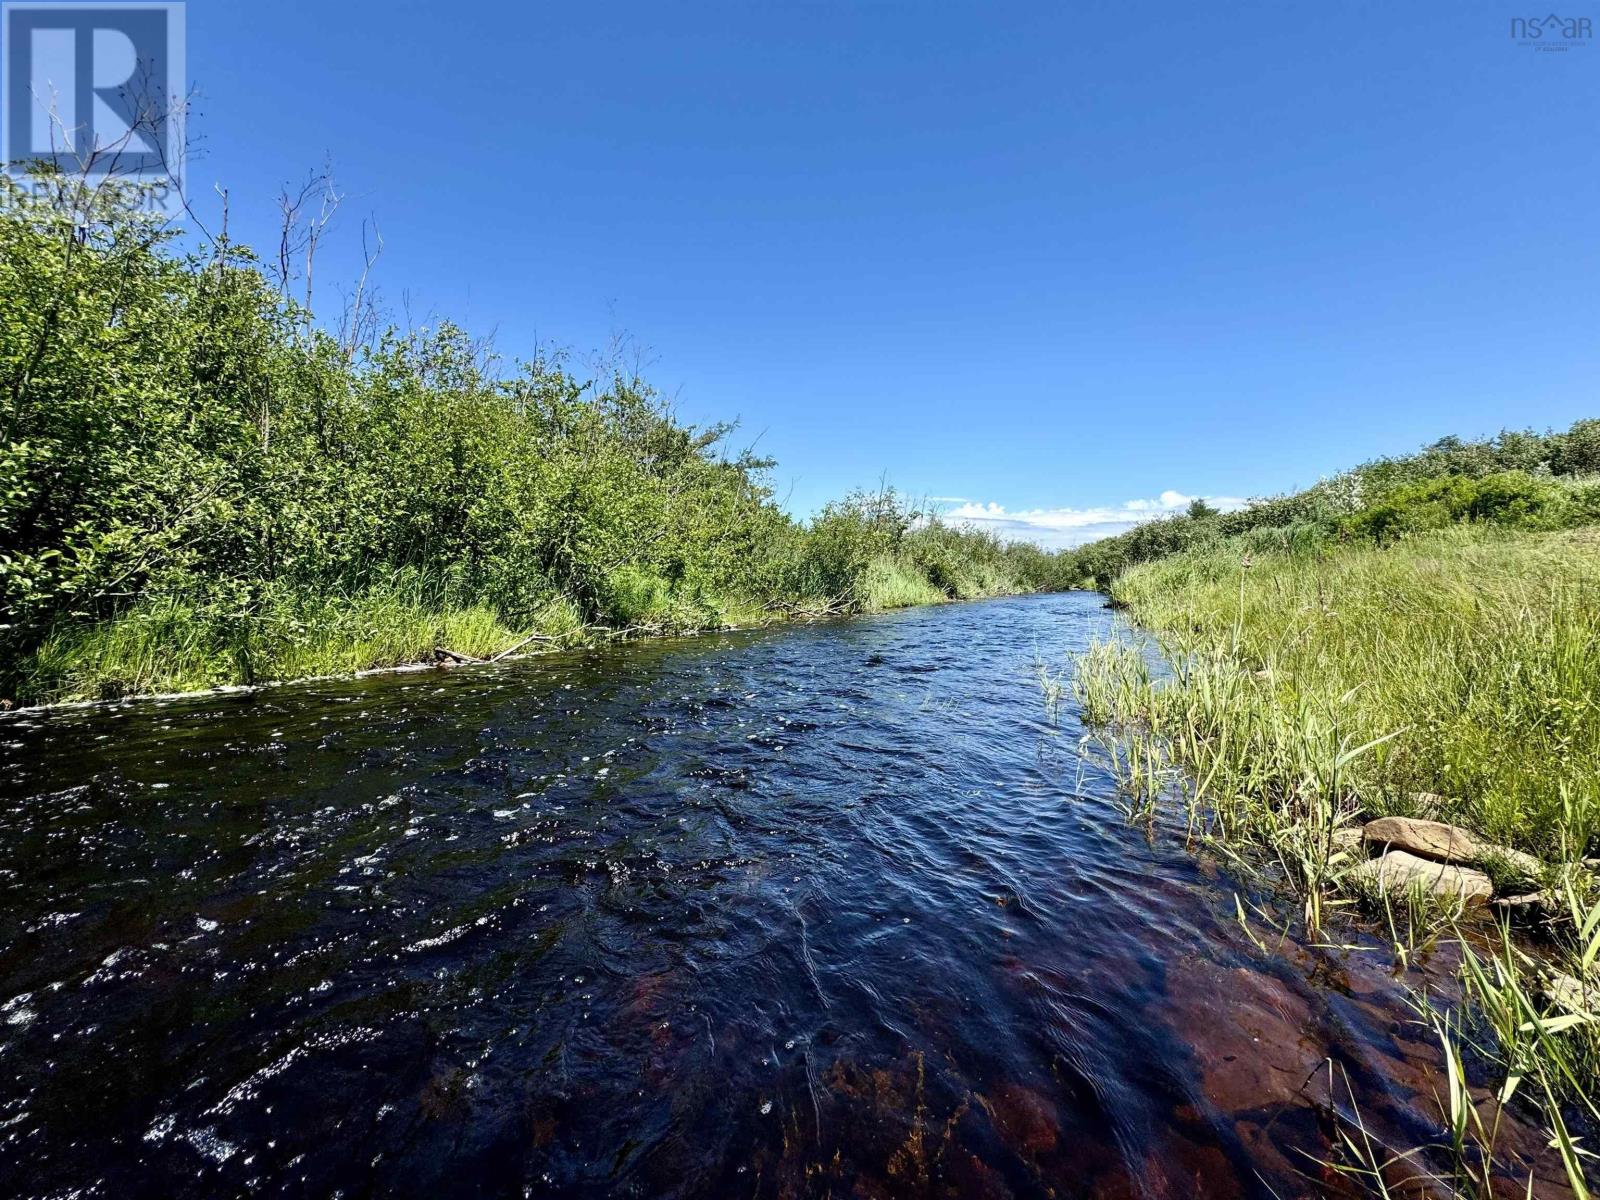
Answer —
1517 479
189 460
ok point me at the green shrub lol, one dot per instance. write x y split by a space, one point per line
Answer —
1519 479
1513 499
198 484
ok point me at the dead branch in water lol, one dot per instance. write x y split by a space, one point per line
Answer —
804 612
532 637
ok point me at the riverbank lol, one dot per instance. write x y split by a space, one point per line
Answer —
1451 675
1467 659
157 655
226 492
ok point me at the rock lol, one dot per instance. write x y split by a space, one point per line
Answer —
1400 871
1452 844
1503 861
1569 994
1531 905
1431 839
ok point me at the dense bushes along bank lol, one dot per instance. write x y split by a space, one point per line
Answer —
1518 480
198 486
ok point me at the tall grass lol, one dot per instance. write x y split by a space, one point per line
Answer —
169 646
1462 664
889 582
1454 675
1517 480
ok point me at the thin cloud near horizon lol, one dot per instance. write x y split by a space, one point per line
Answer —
1064 528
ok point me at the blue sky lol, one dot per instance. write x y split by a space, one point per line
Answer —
1046 259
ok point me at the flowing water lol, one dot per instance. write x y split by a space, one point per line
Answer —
825 910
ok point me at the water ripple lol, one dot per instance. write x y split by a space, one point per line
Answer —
825 910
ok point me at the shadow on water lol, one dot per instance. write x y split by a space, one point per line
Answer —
822 910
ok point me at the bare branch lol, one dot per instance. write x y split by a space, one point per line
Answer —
361 317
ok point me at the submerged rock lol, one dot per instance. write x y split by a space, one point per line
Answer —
1533 904
1570 994
1401 871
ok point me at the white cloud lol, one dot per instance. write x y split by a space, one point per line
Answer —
1060 527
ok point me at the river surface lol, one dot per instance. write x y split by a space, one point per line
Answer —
823 910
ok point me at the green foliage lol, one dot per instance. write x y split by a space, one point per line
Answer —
1519 479
198 485
1473 650
1511 498
895 583
875 550
1578 452
1100 562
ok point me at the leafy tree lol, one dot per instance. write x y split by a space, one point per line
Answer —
186 457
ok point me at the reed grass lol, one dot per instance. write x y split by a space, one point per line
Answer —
1453 675
1543 1052
169 646
890 582
172 645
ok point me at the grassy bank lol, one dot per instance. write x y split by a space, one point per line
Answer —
1519 479
201 483
166 645
1467 658
1452 674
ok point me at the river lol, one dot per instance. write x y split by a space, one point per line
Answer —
821 910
